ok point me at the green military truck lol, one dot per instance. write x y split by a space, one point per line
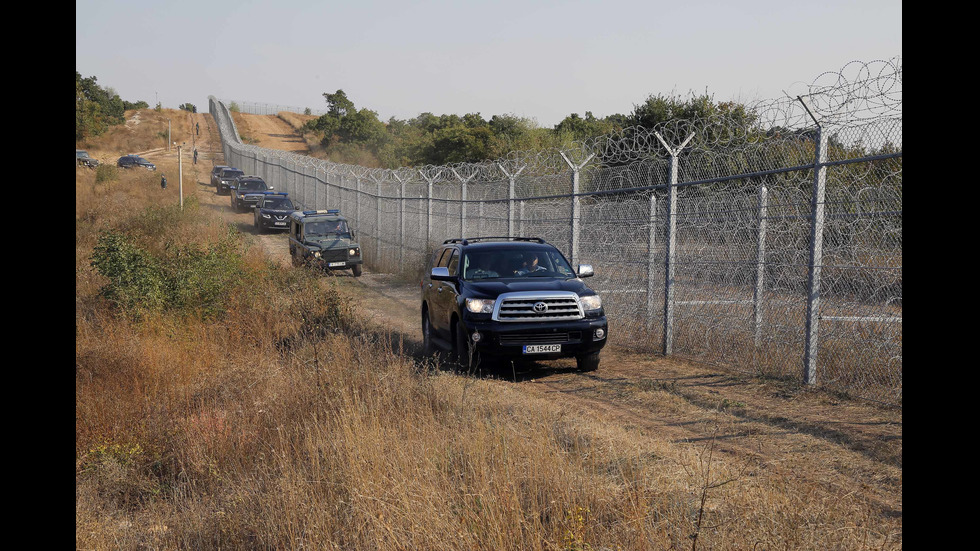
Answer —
323 239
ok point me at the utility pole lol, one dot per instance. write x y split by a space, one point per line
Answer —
180 175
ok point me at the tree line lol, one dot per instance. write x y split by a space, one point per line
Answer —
349 134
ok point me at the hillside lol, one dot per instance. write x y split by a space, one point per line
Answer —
346 437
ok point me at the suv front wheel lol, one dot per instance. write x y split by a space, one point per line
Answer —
464 356
589 362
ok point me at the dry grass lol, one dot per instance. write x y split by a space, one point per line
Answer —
286 424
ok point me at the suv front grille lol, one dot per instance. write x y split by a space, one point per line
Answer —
560 337
532 306
333 255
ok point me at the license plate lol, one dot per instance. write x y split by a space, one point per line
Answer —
280 223
332 264
541 348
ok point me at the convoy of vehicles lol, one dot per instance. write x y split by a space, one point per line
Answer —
483 299
510 298
323 239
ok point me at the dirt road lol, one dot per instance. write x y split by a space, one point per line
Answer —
842 449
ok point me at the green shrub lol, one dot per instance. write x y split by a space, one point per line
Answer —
106 173
189 278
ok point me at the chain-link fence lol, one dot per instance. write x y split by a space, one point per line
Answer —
772 247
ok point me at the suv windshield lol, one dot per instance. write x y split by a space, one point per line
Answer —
231 174
281 203
252 185
515 263
326 227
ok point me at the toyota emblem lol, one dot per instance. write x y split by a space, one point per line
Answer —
540 307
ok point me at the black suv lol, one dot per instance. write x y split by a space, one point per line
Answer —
510 298
226 178
272 212
215 171
130 161
246 191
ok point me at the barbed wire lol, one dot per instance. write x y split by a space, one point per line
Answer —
743 191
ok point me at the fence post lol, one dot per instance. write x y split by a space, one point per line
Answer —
671 244
651 258
511 195
575 204
760 260
816 255
401 220
462 202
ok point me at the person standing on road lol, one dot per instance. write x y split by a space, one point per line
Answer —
163 182
195 155
197 126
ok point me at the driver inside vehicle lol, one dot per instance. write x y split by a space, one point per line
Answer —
530 265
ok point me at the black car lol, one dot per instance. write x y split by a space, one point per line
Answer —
510 298
130 161
272 211
215 171
226 178
246 191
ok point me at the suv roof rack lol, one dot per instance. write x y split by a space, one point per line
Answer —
468 240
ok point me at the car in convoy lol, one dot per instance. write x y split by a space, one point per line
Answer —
132 160
323 239
215 171
486 299
227 178
272 211
82 158
246 191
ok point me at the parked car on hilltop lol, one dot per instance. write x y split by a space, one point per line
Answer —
131 160
82 159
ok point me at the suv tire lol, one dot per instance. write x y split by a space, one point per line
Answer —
589 362
356 270
427 347
461 349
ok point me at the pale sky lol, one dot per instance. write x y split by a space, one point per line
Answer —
532 58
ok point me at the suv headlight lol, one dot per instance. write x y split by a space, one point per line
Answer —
354 252
591 303
480 305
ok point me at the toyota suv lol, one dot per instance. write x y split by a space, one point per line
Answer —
510 298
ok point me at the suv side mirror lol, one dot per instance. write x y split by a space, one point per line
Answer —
270 187
585 270
442 274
